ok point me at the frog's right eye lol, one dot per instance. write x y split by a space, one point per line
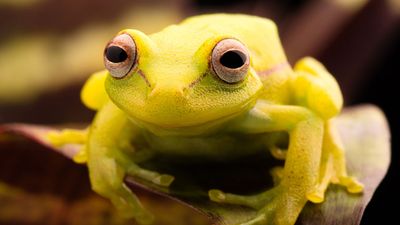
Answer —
120 56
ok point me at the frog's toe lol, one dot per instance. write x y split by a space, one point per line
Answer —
56 138
317 196
252 201
352 184
278 153
163 180
216 195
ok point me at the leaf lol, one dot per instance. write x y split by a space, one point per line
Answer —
366 138
41 185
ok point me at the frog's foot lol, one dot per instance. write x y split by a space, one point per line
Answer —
351 183
333 164
340 175
71 137
254 201
333 170
163 180
329 174
67 136
274 206
278 153
318 194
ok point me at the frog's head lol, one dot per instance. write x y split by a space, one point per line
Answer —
180 77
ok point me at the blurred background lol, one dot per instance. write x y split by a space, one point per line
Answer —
48 48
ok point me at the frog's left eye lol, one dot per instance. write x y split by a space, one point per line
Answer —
230 60
120 55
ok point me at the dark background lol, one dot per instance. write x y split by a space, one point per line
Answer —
361 47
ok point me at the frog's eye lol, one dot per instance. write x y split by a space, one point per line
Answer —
230 60
120 55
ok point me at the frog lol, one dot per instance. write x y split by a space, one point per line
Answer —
189 91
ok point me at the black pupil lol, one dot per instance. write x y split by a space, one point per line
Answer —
232 59
116 54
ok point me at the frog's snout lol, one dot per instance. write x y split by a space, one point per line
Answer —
167 104
167 92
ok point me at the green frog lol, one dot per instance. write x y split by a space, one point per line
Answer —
189 91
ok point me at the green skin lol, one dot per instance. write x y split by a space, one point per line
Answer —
173 103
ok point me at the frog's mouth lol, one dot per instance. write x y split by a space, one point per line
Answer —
193 128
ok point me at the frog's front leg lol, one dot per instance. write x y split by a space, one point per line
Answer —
108 164
282 204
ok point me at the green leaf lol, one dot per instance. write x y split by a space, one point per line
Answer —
366 138
365 135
